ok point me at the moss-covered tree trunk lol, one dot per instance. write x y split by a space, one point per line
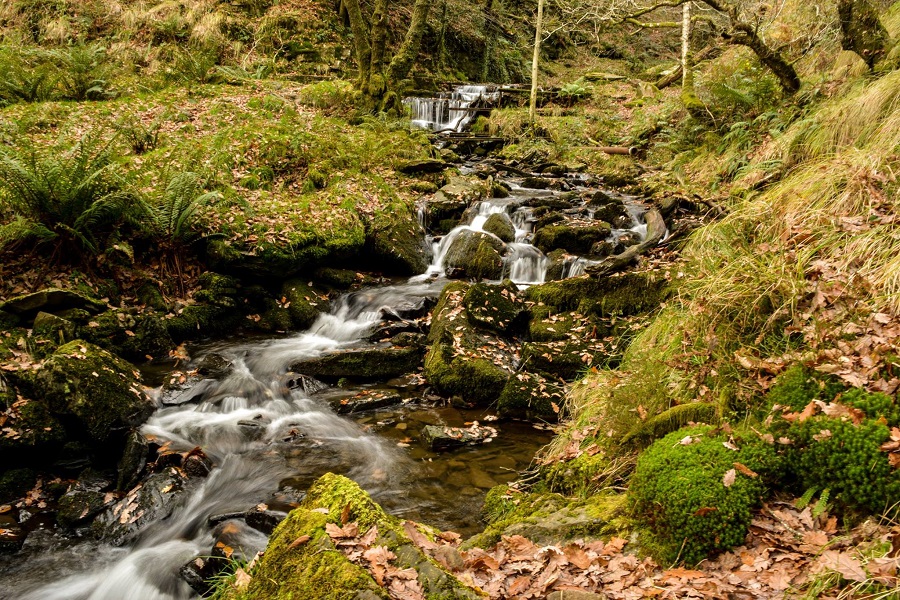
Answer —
688 96
862 31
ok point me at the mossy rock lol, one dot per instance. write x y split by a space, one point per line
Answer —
496 307
564 359
395 242
682 498
31 434
448 313
530 396
50 300
446 207
203 320
575 239
501 225
316 570
218 290
132 335
150 296
53 328
476 380
671 420
8 320
362 364
628 293
550 325
549 518
475 255
305 303
339 279
15 483
98 395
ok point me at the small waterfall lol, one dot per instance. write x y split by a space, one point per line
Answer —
447 111
525 264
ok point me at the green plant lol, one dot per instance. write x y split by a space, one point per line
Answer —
140 136
70 199
83 71
195 67
574 92
173 219
25 76
691 490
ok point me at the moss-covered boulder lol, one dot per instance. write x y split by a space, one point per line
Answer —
129 333
196 321
476 380
304 302
53 328
51 300
629 293
564 359
474 255
31 434
363 364
576 238
446 207
302 561
502 226
532 397
496 307
548 518
97 395
395 242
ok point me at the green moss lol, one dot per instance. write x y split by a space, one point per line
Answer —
559 360
577 240
475 380
305 301
129 334
500 224
581 476
340 279
32 434
202 320
496 307
671 420
680 497
628 293
99 391
445 316
395 242
798 386
545 517
530 396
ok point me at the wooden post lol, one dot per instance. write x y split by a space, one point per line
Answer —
532 110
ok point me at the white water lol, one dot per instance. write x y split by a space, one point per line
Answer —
447 111
247 470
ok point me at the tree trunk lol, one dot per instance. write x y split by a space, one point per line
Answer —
532 106
689 98
379 35
783 70
862 31
409 49
677 73
360 39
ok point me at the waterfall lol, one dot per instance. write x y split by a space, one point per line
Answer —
447 111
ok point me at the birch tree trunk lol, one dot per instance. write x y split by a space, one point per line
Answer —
532 108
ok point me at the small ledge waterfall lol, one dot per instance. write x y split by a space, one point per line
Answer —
449 111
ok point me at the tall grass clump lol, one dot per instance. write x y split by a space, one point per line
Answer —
70 200
753 281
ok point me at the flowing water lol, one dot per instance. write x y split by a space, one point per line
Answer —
296 437
447 112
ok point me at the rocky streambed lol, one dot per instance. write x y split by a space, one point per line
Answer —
426 392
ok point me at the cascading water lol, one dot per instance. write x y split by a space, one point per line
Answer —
447 112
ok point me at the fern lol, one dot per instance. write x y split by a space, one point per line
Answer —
803 501
22 230
83 70
822 504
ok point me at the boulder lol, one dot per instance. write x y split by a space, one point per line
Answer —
362 363
339 279
628 293
502 226
531 397
303 303
496 307
133 461
53 328
31 434
441 437
575 238
613 212
132 335
418 167
474 255
50 300
12 536
395 242
477 381
366 400
84 501
149 502
536 183
564 359
446 207
99 394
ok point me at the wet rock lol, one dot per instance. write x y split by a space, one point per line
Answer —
147 503
395 242
536 183
214 366
496 307
409 338
627 293
367 400
498 190
408 310
214 520
475 255
264 520
614 213
198 572
296 381
449 155
85 500
198 320
602 249
575 238
218 290
237 542
133 461
252 430
303 303
15 483
566 359
417 167
441 437
339 279
362 363
50 300
12 536
386 333
502 226
599 198
531 397
182 388
32 435
129 334
561 202
197 464
626 240
446 207
96 390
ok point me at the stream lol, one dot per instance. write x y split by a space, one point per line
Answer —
269 441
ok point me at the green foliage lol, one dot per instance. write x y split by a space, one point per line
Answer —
679 492
71 198
798 386
25 76
572 93
141 137
195 66
83 71
837 455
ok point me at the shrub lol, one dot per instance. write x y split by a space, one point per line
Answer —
25 76
680 496
70 199
83 72
574 92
